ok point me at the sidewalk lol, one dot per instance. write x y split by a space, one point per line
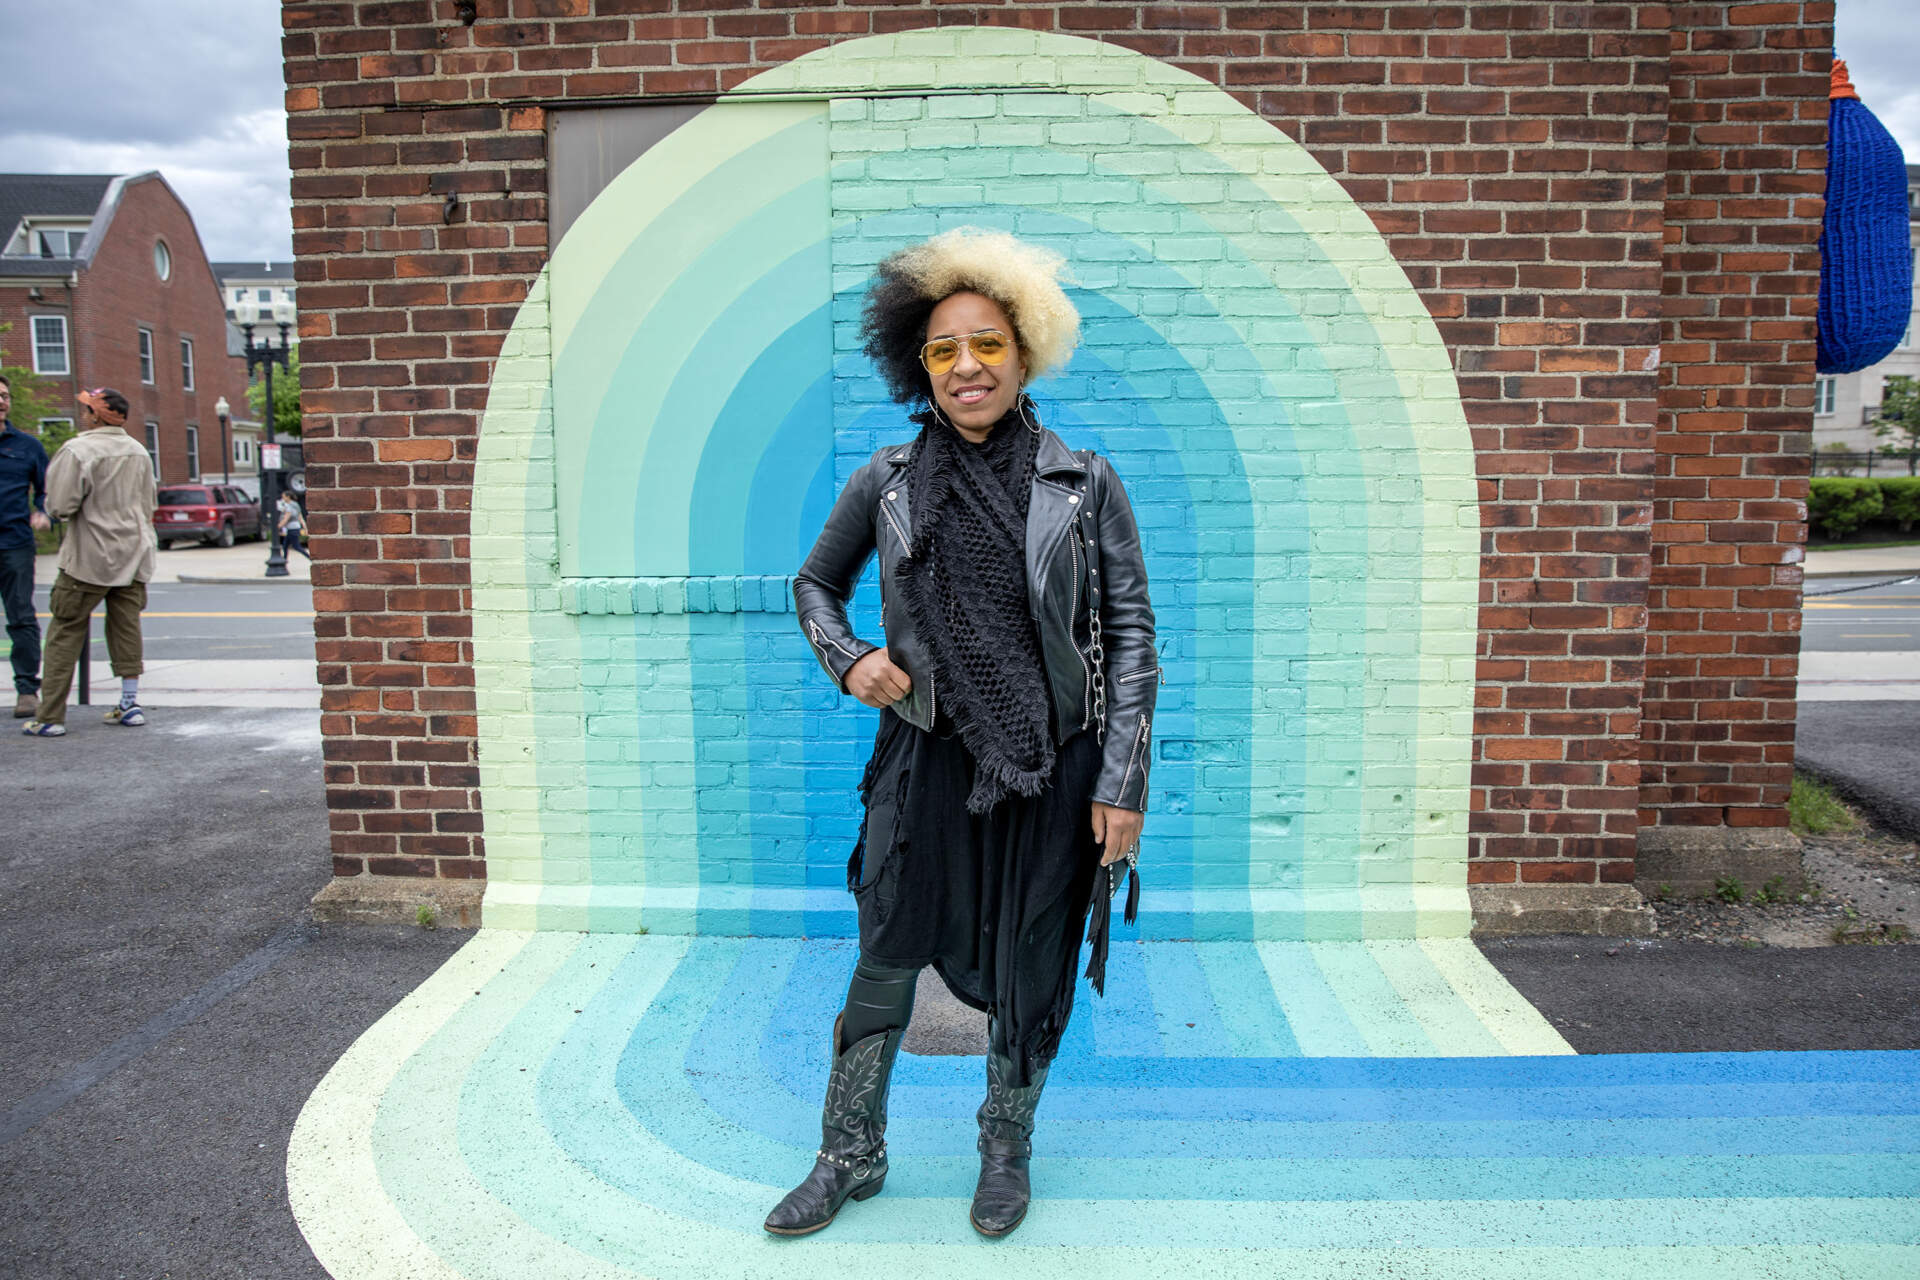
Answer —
1863 562
242 562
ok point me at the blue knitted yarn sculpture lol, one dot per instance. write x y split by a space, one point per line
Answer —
1866 257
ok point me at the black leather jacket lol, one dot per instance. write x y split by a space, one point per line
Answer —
1082 547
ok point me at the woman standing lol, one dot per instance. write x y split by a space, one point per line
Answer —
287 528
1016 689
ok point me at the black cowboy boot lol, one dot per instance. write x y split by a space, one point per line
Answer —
1006 1142
852 1160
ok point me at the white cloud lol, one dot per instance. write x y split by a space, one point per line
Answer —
189 87
1880 41
235 181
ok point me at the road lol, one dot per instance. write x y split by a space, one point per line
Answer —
214 645
1854 621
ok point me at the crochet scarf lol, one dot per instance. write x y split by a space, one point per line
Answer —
964 584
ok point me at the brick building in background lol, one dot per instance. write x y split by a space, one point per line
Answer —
1611 212
106 283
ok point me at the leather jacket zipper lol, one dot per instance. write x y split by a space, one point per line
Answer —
1139 740
1073 611
900 533
821 639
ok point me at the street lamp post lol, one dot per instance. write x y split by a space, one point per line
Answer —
268 355
220 410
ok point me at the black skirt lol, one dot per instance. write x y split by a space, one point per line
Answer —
996 903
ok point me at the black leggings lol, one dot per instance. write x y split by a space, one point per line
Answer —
880 998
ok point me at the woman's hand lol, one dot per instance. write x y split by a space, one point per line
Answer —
876 681
1117 829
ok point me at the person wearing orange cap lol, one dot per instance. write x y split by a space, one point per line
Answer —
102 481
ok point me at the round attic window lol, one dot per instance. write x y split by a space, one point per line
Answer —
162 259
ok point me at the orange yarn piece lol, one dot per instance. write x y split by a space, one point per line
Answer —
1839 85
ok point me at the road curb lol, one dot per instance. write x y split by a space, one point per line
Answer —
194 580
1894 574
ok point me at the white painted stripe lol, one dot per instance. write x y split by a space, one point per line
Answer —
330 1159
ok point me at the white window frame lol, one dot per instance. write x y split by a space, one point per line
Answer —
193 452
45 422
186 364
66 353
153 446
242 450
147 371
263 295
1824 392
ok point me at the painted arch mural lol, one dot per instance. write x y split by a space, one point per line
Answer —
1255 362
1304 1063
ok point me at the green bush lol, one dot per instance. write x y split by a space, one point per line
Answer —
1900 500
1837 506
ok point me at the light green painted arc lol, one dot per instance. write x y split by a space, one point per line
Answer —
516 621
701 219
331 1160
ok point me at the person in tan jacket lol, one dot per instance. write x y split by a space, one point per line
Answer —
101 481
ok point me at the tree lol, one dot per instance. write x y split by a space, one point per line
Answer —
33 403
1898 420
286 397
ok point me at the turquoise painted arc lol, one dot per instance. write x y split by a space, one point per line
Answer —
665 332
625 1107
710 400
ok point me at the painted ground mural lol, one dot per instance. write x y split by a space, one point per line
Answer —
1303 1061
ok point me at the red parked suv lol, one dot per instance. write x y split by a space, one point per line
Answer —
213 513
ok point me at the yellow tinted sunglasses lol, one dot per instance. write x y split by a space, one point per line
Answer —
989 346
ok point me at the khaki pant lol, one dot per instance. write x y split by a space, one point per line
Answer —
72 605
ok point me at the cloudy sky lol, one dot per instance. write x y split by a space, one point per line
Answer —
192 88
189 87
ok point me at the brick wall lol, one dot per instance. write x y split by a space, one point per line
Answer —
1511 154
17 309
1746 171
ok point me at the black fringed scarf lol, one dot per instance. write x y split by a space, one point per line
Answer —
964 584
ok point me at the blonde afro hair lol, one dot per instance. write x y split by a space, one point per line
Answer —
1023 278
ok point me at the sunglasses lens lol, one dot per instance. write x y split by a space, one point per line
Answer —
989 348
940 356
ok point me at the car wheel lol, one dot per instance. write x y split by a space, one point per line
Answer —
226 534
166 544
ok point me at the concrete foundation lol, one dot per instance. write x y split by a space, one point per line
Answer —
398 899
1506 910
1687 862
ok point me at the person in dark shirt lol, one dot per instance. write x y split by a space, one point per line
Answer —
23 509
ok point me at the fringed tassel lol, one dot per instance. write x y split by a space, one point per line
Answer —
1098 920
1133 895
